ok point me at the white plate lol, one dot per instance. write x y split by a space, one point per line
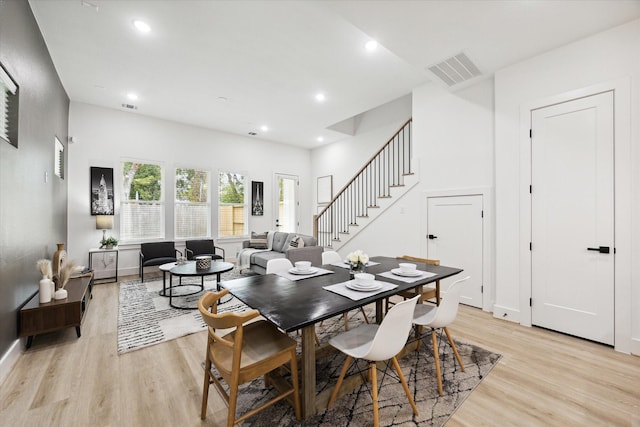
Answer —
353 285
406 274
303 272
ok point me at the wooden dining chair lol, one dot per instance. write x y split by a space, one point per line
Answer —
428 293
248 352
377 343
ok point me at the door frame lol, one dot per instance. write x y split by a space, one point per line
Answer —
488 245
622 203
276 192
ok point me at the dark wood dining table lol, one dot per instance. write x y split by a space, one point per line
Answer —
299 305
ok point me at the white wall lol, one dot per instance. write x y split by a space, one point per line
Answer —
104 137
611 60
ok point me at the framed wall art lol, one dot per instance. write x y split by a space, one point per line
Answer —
257 198
102 191
325 189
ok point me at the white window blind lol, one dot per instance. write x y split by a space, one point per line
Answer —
58 162
192 207
8 96
142 206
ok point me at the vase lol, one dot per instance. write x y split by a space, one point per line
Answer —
355 269
60 294
58 259
45 289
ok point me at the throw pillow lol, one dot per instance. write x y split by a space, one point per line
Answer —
296 242
258 240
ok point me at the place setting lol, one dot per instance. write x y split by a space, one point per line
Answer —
406 272
363 285
302 270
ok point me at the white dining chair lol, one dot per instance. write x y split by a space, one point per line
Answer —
375 343
333 257
438 318
278 264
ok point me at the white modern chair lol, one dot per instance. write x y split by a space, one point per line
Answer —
333 257
376 343
438 318
278 264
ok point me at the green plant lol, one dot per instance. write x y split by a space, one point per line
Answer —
109 241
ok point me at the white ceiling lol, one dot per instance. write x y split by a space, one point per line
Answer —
270 58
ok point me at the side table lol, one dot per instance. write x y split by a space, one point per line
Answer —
104 251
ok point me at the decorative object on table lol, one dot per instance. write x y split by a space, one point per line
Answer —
65 273
59 257
203 262
46 285
104 223
108 243
102 191
257 198
357 261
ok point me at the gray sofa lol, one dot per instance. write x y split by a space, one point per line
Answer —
280 249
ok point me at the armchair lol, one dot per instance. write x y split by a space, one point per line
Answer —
203 247
157 253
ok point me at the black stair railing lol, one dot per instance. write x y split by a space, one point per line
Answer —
386 169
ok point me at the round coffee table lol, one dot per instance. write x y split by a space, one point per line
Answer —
189 270
166 268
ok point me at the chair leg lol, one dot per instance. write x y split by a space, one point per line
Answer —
346 321
205 389
373 373
436 356
336 388
364 315
455 349
396 366
233 400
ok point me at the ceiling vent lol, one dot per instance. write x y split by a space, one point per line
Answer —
129 106
455 70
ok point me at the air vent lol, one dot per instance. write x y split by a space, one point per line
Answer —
455 70
129 106
252 133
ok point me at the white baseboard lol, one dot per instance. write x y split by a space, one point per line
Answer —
506 313
9 359
635 346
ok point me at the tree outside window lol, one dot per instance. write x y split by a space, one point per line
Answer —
192 206
142 207
232 204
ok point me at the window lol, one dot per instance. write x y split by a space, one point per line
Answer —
142 206
58 162
192 206
232 205
8 108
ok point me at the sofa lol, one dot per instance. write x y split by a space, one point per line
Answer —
281 248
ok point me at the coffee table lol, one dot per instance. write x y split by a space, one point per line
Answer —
189 270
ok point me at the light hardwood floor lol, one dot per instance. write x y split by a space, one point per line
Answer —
543 378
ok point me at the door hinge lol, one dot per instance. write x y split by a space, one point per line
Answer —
530 246
481 289
481 214
530 189
530 133
530 302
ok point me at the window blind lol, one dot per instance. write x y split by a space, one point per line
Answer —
8 89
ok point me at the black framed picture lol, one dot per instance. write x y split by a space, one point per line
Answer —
257 198
102 191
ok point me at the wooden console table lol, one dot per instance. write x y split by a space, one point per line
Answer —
36 318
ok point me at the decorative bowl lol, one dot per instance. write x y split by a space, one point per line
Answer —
364 279
303 265
407 267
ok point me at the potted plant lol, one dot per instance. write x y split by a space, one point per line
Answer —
108 243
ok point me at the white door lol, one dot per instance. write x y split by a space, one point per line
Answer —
454 233
572 222
286 203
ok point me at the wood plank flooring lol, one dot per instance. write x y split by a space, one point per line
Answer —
543 379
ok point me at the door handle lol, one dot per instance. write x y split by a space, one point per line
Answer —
601 249
431 237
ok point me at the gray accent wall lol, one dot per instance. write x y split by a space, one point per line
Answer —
33 201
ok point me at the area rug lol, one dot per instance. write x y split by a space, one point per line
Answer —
356 410
145 318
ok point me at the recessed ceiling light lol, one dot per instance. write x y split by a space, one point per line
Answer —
142 26
371 45
132 96
320 139
264 128
320 97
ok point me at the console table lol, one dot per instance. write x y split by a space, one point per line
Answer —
36 318
103 251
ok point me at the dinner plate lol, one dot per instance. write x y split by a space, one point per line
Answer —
303 272
399 272
353 285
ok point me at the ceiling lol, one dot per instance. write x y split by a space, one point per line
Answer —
236 66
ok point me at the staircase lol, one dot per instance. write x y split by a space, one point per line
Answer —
386 176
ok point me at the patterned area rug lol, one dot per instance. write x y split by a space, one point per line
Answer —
356 410
145 318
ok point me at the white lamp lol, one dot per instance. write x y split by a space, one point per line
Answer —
104 223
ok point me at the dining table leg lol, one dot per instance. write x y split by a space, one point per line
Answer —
308 372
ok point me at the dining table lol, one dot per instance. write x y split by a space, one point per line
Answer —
308 299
